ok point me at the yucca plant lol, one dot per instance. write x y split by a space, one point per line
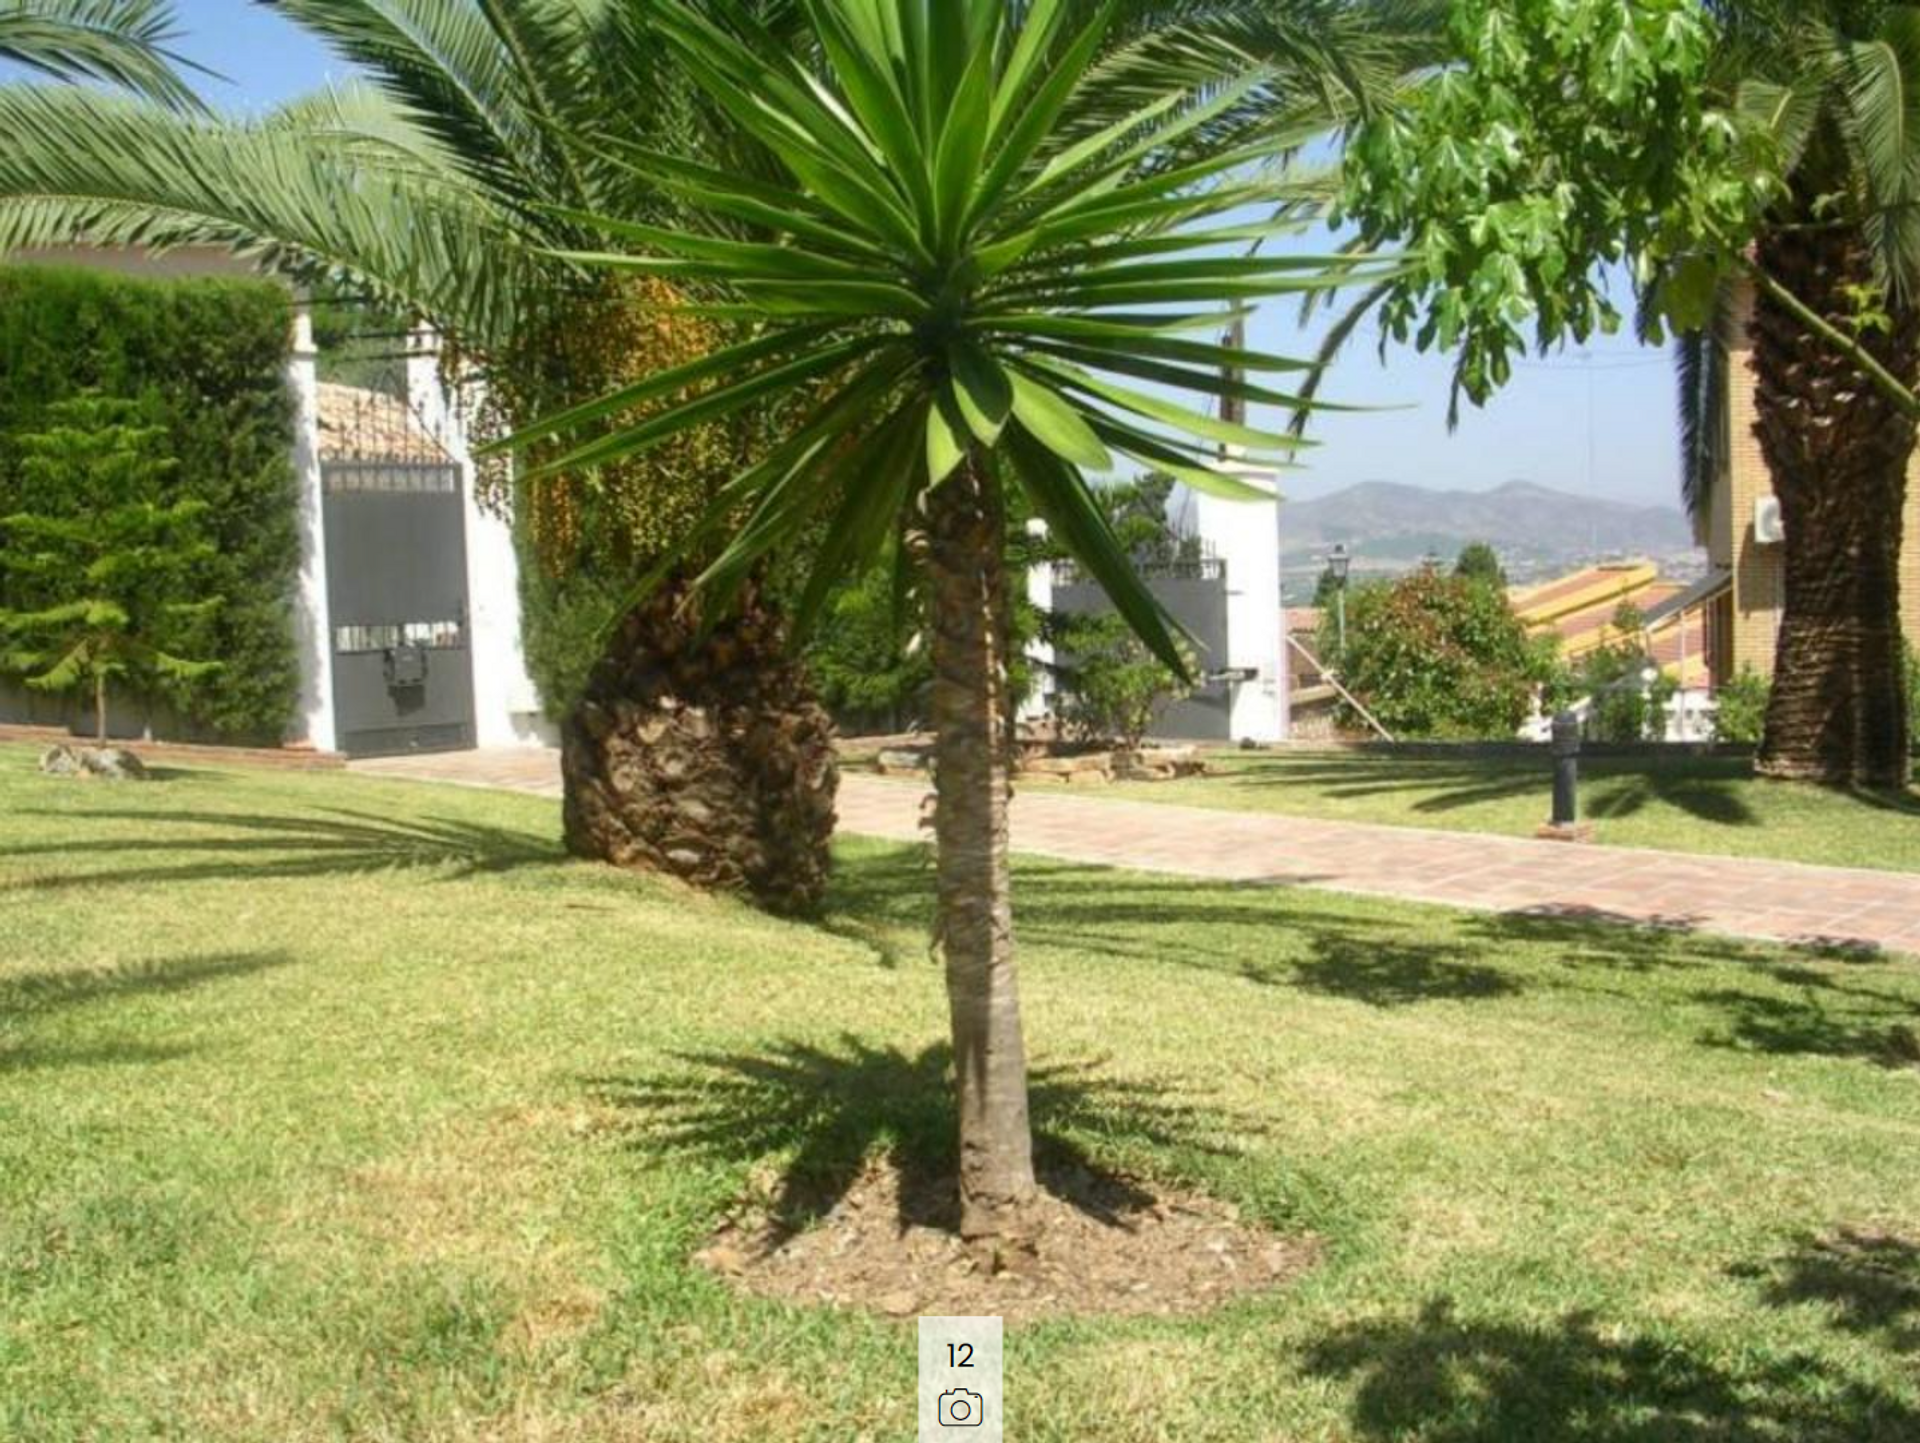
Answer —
956 284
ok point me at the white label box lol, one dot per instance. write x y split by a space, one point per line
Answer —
960 1394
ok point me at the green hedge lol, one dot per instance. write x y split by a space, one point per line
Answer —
205 359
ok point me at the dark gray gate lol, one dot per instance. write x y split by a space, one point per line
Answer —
397 591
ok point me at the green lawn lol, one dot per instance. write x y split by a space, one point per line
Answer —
1684 804
333 1108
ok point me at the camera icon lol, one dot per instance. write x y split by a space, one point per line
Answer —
959 1408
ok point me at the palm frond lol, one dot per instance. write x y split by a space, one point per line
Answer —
120 42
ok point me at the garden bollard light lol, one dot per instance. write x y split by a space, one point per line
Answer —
1566 771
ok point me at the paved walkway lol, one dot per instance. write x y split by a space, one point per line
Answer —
1776 901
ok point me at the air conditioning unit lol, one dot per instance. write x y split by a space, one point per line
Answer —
1768 528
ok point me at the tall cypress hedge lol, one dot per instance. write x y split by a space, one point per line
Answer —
206 360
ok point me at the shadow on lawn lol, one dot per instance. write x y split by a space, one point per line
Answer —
1294 938
833 1108
36 995
876 898
1444 1379
1869 1279
1703 788
227 846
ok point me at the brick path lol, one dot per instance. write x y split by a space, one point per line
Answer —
1776 901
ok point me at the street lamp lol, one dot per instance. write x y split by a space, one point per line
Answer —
1339 563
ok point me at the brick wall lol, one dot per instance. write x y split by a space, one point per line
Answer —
1758 571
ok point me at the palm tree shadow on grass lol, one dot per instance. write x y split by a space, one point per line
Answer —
205 845
877 898
1868 1279
34 996
830 1109
1443 1378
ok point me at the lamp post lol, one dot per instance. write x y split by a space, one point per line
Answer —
1340 562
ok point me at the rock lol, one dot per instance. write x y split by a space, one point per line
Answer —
62 761
899 1305
897 762
115 764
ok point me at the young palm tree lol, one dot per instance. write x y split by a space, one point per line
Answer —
121 42
954 279
1833 80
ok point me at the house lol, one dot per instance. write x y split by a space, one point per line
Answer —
1580 609
406 612
1740 528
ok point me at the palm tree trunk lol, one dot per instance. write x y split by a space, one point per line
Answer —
704 756
973 779
1838 453
100 707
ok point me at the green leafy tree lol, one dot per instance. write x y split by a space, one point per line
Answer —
955 278
104 591
1480 562
1439 656
1764 144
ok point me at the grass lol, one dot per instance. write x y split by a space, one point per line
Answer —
333 1108
1684 804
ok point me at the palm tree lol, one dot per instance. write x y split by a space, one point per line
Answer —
1833 80
952 282
490 128
120 42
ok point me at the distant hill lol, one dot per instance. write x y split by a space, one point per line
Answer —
1536 530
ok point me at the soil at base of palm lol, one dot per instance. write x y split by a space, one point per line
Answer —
1108 1246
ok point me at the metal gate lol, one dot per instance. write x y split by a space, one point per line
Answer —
396 544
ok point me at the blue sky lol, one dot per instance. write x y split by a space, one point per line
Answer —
1599 422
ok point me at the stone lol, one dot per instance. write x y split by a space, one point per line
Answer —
114 764
1579 832
899 1305
897 762
62 761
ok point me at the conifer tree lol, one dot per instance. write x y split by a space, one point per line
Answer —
96 568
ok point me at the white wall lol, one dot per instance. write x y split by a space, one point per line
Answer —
1246 536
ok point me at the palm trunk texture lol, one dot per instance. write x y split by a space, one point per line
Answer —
973 780
705 757
1838 452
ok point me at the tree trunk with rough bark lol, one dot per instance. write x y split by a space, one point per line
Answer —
1838 452
705 757
965 543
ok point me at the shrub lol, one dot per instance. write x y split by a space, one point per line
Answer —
868 672
204 362
1439 656
1111 688
1740 712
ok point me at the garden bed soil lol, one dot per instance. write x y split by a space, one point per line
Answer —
1109 1247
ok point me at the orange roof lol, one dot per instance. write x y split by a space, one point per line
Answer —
1580 610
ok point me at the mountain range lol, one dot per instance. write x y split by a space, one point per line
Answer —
1538 531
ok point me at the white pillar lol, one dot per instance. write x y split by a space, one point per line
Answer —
505 702
313 631
1039 705
1246 536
